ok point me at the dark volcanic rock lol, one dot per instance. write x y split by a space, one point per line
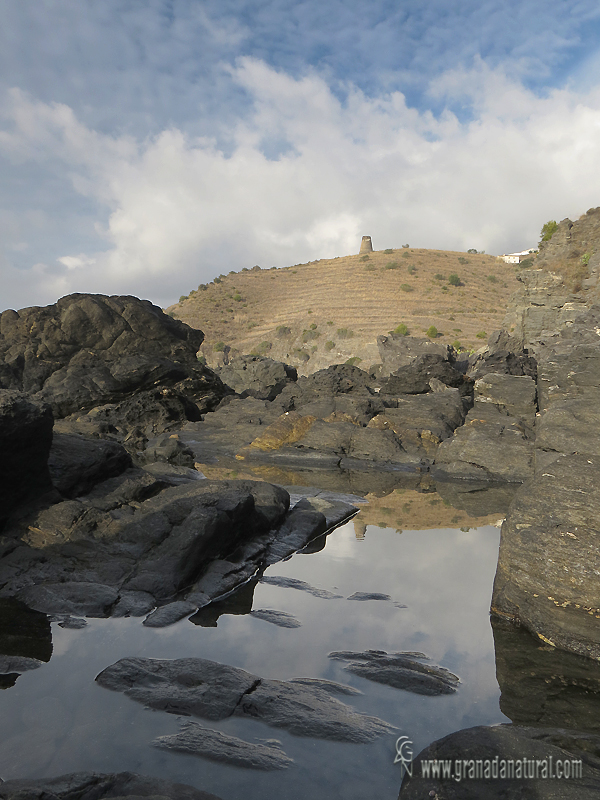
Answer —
218 746
398 351
494 747
549 562
215 691
88 350
294 583
415 378
400 670
256 376
77 464
96 786
280 618
25 439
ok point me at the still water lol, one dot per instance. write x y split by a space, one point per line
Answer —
56 719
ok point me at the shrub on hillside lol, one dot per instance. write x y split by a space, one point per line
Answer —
329 345
432 332
364 258
585 259
462 260
392 265
481 335
388 251
406 255
353 362
218 347
283 330
453 279
401 329
217 280
237 298
345 333
310 335
313 326
548 229
411 269
183 297
439 277
406 287
528 262
471 250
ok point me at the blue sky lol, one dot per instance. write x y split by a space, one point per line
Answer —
149 145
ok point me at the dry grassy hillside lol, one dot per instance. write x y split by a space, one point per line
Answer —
325 312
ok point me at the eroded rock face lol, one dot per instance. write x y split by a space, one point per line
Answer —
549 560
94 785
398 351
91 350
256 376
496 746
210 690
25 440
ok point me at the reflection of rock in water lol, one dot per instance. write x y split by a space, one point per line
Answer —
238 602
25 640
544 686
478 499
360 528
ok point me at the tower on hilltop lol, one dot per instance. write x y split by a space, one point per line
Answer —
366 246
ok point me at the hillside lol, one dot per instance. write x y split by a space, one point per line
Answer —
325 312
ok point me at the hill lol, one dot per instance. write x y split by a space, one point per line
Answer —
327 311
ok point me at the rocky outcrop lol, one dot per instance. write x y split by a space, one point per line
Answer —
144 539
256 376
397 351
25 439
97 786
88 351
497 440
549 560
213 691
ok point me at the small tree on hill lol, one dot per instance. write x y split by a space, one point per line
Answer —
548 229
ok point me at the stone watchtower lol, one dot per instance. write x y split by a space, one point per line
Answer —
366 246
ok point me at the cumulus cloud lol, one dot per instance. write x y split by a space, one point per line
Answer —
305 176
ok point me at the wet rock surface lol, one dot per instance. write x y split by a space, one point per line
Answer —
214 691
547 576
280 618
94 786
218 746
138 541
294 583
400 670
503 743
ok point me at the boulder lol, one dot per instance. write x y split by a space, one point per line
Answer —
548 564
25 440
87 350
398 351
415 377
256 376
77 464
493 763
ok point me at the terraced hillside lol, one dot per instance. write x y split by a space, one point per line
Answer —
328 311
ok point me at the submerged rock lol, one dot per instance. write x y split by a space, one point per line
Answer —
280 618
210 690
369 596
400 670
96 786
294 583
218 746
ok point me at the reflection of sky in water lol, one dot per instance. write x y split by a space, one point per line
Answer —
57 720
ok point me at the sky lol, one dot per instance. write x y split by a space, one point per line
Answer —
147 146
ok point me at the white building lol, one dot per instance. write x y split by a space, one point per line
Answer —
516 258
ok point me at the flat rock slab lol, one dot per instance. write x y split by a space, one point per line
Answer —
295 583
95 786
502 744
218 746
400 670
279 618
169 614
209 690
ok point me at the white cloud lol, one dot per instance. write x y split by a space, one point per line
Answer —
178 211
